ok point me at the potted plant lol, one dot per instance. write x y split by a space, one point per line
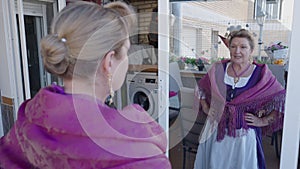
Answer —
277 53
276 46
199 64
191 63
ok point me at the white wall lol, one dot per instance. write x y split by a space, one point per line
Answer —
6 72
191 10
163 64
287 13
290 143
188 43
6 54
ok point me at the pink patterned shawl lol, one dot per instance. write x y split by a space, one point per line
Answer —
57 130
267 94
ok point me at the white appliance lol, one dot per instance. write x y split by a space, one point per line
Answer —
142 89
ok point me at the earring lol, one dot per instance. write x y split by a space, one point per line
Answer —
109 100
251 59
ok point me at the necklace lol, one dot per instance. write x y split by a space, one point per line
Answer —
237 76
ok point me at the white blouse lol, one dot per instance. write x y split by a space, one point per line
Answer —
229 80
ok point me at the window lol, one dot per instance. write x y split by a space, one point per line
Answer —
199 41
214 44
189 41
272 8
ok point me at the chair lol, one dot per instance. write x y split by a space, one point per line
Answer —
191 126
279 72
175 82
190 122
274 142
185 94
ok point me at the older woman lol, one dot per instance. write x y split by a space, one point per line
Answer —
71 127
243 100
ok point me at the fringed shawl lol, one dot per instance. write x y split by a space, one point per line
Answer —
58 130
267 94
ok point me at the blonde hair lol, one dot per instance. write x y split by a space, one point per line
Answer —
82 33
242 33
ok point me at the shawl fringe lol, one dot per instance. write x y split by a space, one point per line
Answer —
233 116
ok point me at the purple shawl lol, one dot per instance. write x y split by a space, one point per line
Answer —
267 94
58 130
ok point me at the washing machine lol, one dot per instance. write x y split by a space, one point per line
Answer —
142 89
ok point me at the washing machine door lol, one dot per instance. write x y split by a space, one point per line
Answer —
146 99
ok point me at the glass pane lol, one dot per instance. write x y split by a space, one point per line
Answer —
32 25
202 26
37 20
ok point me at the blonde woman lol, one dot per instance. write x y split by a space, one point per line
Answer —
74 126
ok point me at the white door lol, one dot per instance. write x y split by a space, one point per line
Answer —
34 24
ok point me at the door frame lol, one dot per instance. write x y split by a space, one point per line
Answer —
22 75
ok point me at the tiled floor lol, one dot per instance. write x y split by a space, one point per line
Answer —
272 161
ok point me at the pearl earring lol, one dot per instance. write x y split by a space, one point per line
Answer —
109 100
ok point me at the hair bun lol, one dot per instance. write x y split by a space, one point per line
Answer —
55 55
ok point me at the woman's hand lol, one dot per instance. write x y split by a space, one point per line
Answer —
253 120
204 106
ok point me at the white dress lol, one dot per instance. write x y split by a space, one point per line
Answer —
238 152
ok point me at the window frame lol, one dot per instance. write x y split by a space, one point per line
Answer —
272 10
